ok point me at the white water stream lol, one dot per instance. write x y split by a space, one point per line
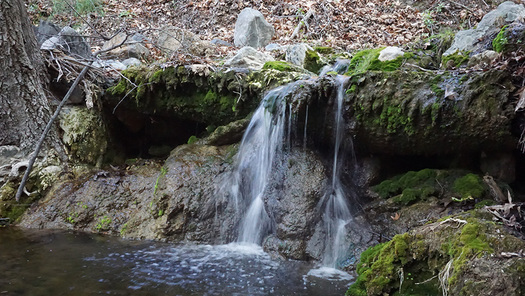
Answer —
267 136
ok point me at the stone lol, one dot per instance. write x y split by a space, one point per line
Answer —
467 40
390 53
304 56
84 134
251 29
45 30
248 57
172 39
220 42
272 47
296 54
483 59
74 44
131 62
131 47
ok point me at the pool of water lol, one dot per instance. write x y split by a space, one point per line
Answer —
71 263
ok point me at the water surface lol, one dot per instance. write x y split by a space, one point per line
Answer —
71 263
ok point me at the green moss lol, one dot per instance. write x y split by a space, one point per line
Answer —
455 60
394 118
412 186
312 61
279 65
368 60
192 140
472 242
324 49
419 257
378 268
498 44
469 186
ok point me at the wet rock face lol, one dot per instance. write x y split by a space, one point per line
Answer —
186 199
296 187
145 200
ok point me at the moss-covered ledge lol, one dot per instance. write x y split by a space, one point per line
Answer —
431 113
198 93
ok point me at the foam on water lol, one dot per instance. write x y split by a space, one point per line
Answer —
330 273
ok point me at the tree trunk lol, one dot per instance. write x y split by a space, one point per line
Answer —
24 109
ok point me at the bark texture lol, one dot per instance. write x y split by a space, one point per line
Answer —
24 109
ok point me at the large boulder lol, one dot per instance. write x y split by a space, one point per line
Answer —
467 40
45 30
251 29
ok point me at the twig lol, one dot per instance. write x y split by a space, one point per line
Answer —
301 24
88 23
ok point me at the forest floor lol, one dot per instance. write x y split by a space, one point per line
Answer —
346 25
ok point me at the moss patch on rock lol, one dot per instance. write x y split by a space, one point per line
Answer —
452 250
500 41
368 60
402 112
455 60
419 185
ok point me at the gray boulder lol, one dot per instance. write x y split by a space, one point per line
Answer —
248 57
296 54
466 40
251 29
131 47
173 39
70 42
45 30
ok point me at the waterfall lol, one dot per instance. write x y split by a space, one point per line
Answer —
265 141
262 143
336 212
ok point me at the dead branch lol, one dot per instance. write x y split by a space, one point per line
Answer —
302 23
55 115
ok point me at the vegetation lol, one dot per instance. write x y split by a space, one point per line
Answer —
414 186
394 267
368 60
82 7
498 44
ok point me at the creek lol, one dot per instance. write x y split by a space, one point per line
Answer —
73 263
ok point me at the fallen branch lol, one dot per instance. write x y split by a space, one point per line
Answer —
52 119
46 130
302 23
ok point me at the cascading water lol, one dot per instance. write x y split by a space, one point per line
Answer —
261 143
265 140
336 213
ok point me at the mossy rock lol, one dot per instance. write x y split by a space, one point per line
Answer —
368 60
455 60
510 38
191 93
409 264
425 113
415 186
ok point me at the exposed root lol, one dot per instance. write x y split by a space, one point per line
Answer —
444 276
